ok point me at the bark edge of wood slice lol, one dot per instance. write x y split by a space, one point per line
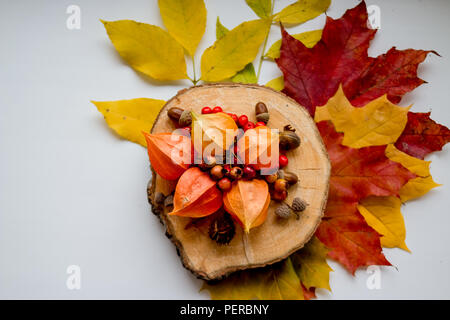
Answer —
276 238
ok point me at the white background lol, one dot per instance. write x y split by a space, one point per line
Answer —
72 192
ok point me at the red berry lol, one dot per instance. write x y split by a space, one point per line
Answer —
243 120
234 116
188 129
217 109
206 110
227 167
249 125
283 160
260 124
249 172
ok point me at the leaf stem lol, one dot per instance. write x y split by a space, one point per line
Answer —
261 58
195 75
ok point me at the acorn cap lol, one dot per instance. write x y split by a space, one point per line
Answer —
283 211
185 118
299 205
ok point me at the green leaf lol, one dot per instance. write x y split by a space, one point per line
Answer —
262 8
309 39
221 30
246 75
185 20
302 11
128 118
234 50
148 49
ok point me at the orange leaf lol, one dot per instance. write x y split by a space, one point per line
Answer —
196 195
170 154
247 202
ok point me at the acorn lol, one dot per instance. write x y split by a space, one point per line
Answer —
289 139
235 173
281 185
299 205
185 118
283 211
174 113
217 172
222 229
290 177
262 114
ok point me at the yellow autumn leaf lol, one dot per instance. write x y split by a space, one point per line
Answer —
311 265
276 84
148 49
262 8
128 118
243 285
308 38
379 122
234 50
277 282
383 214
416 187
281 282
246 75
185 20
302 11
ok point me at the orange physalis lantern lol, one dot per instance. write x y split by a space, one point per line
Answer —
248 202
212 133
260 148
170 154
196 195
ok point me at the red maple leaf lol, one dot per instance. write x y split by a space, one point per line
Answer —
359 173
422 135
355 174
312 75
308 294
348 236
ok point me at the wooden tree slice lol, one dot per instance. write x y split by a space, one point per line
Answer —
276 238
